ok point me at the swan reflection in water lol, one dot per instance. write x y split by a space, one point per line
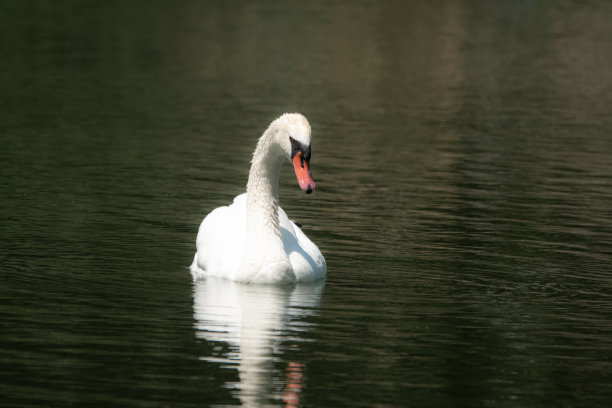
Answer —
256 322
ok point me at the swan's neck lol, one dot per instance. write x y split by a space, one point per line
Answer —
262 191
264 258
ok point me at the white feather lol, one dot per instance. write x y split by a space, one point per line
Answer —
252 239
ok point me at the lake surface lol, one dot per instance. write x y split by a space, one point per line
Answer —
463 157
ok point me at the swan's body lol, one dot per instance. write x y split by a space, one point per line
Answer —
252 240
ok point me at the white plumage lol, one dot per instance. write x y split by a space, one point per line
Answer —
252 240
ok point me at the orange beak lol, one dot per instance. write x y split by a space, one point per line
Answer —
302 172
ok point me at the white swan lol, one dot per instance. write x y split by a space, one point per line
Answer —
252 240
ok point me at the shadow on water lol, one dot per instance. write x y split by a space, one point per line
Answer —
251 327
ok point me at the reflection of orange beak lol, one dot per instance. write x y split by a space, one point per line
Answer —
302 172
295 382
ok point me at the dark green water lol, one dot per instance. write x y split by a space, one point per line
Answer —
463 158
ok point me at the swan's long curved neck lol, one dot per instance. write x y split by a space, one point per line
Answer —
262 189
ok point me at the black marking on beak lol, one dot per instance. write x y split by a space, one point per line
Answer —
300 147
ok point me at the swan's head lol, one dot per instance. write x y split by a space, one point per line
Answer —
294 138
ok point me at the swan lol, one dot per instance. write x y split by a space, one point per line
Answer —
252 240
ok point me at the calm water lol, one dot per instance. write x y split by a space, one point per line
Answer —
463 158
